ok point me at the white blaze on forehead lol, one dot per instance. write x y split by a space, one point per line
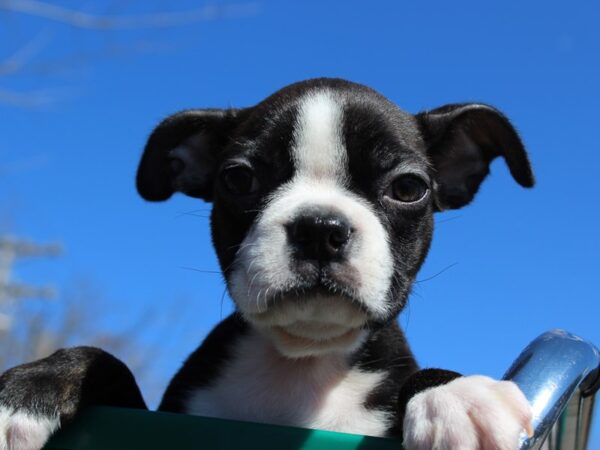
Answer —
318 150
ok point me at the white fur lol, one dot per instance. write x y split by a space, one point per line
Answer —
322 393
318 152
469 413
262 265
22 431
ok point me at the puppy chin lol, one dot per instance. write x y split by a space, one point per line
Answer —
314 326
291 345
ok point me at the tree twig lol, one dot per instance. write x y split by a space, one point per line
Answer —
35 99
82 19
23 55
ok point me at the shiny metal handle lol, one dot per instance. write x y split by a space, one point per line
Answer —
559 373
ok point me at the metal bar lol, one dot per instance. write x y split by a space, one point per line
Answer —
559 373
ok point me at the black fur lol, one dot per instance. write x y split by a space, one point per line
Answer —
67 380
205 364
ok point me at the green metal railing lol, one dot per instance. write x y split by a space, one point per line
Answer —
103 428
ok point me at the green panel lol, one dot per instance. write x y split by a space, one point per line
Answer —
127 429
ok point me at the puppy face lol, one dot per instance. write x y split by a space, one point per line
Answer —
323 200
321 255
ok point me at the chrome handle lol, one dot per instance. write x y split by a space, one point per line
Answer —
559 373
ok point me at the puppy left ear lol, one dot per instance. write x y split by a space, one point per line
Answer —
462 140
181 153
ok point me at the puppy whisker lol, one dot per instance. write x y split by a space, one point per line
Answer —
447 219
183 214
258 301
437 274
252 282
266 297
222 300
242 246
216 272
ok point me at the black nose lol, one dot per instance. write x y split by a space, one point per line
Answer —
321 237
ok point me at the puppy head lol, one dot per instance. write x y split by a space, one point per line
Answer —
323 199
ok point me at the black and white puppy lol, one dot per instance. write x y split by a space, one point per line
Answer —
323 200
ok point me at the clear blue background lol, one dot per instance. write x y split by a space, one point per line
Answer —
519 262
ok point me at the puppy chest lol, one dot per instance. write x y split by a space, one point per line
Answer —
317 393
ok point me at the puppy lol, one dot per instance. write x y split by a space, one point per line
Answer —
323 200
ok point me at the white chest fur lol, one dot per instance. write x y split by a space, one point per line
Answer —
260 385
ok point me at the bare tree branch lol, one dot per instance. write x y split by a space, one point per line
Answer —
22 56
82 19
21 61
73 60
19 166
38 331
26 100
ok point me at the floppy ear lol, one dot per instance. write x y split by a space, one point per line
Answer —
181 154
462 140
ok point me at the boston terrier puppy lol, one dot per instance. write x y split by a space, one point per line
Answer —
323 200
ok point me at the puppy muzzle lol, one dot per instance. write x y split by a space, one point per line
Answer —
312 324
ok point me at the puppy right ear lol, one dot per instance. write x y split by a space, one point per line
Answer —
181 154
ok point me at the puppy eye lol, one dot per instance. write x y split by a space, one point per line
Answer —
408 188
239 180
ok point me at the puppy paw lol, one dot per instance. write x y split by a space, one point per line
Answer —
469 413
23 431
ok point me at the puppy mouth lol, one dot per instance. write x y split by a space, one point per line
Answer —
308 322
307 291
303 302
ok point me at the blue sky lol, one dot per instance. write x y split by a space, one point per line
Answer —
514 264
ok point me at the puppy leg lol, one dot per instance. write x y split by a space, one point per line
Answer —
468 413
37 398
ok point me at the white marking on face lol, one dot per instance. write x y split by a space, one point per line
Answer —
318 152
263 265
469 413
24 431
261 385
